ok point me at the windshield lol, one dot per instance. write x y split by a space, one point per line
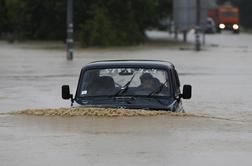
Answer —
124 82
229 14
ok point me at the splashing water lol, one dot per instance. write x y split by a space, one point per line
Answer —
100 112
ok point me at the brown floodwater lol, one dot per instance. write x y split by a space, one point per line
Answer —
137 140
215 130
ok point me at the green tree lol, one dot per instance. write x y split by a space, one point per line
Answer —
245 13
35 19
124 22
3 17
97 22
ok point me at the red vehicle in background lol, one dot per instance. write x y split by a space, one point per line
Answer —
226 17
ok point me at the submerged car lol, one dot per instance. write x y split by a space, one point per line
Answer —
130 84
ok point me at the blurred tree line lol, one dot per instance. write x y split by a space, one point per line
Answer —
97 22
245 11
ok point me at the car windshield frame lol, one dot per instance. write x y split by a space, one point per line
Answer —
166 72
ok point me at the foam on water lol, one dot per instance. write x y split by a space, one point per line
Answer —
100 112
108 112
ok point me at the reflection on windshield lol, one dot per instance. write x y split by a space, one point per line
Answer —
139 81
229 14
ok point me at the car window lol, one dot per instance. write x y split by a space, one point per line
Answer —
229 14
143 81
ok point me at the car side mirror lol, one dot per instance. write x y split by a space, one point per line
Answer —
66 92
187 92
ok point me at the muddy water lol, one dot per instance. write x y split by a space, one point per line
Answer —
98 112
221 76
149 140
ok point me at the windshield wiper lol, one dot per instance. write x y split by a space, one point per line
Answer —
125 87
158 90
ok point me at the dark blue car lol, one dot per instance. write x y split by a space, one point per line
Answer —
131 84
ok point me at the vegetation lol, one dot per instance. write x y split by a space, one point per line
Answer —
97 22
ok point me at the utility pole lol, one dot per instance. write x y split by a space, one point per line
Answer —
198 14
70 30
185 36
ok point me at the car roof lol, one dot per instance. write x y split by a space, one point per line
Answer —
160 64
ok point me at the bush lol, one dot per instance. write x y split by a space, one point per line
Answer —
97 22
101 30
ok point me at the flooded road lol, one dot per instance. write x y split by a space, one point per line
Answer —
161 140
221 75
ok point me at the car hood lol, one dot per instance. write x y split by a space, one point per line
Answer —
150 103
